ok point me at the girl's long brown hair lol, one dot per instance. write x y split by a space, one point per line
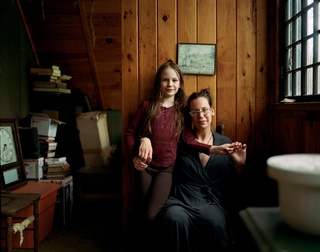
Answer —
179 102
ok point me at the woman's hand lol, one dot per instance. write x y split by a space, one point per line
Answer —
139 164
239 155
223 149
145 150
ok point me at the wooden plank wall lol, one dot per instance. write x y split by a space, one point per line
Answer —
150 33
295 128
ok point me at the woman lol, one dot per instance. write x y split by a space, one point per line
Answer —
193 218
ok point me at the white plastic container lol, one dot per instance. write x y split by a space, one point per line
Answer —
298 177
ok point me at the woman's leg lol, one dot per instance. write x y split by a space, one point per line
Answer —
213 234
175 232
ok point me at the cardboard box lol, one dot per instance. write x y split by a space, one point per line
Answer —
46 208
33 168
46 126
102 158
94 137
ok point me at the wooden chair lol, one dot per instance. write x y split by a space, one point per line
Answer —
11 205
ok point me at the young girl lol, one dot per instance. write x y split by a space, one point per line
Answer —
161 121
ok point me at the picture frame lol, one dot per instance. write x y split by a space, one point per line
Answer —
197 58
12 168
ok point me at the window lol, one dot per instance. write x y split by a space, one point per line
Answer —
301 55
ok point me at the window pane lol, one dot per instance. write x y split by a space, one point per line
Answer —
310 21
288 34
297 56
289 60
288 10
288 86
297 29
318 60
309 86
309 59
297 6
309 2
318 16
317 86
297 83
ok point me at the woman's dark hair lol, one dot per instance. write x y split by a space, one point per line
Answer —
179 101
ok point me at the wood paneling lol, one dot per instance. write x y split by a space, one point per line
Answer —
166 35
130 94
226 66
295 128
147 47
187 33
246 72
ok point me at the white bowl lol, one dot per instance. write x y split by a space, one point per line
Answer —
298 177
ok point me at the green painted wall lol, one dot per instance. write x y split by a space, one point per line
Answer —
16 57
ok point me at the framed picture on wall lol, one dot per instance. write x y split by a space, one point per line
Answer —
11 161
197 58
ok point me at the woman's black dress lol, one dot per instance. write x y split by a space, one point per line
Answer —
193 218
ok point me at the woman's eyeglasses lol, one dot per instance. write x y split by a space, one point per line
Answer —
197 112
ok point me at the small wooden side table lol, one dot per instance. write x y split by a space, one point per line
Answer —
11 205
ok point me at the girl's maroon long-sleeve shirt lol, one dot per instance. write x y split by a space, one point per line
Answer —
164 140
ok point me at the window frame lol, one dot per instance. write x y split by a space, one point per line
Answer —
283 53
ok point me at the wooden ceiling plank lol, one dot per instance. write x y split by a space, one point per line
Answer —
28 32
86 31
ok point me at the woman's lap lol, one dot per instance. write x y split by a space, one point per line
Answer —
205 226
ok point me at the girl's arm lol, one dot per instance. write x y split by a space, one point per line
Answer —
189 139
132 134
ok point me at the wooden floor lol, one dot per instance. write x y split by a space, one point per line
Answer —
93 227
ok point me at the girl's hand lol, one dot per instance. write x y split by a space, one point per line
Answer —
145 150
139 164
223 149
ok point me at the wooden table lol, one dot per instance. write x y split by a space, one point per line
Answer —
11 205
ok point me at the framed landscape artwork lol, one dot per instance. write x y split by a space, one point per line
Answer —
197 58
11 161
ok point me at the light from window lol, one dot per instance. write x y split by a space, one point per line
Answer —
302 50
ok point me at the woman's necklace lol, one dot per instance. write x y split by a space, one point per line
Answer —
209 139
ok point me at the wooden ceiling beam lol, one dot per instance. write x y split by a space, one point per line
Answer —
89 42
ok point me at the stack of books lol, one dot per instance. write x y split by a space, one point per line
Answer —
56 168
47 145
49 80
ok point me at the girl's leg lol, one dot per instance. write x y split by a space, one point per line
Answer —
145 181
159 190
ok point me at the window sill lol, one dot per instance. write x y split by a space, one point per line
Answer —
296 106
